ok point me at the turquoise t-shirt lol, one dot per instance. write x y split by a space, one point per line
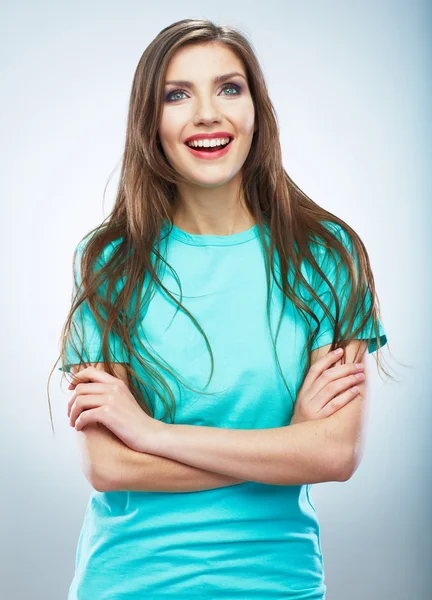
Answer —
250 540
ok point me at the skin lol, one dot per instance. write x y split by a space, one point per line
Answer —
320 449
122 447
211 202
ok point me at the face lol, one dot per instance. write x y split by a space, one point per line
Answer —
206 106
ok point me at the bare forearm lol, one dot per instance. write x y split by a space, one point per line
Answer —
141 472
308 452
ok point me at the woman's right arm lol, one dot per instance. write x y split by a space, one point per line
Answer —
110 465
138 471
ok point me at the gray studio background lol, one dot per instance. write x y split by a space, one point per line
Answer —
351 85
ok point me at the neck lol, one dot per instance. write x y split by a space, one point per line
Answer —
212 211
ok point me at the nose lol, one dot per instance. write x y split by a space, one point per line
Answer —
206 113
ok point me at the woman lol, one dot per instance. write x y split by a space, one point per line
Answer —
206 392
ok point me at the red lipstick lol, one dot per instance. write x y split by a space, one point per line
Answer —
209 154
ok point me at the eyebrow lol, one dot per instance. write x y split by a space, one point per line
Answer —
217 79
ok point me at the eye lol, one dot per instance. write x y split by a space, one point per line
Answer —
233 86
168 98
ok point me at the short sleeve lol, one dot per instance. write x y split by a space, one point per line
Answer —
337 273
84 334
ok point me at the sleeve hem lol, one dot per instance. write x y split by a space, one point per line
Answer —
93 354
327 338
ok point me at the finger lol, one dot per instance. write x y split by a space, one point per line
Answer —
83 404
94 415
346 369
86 388
337 373
91 374
319 366
338 402
332 389
83 389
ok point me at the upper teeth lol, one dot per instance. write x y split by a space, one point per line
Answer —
207 143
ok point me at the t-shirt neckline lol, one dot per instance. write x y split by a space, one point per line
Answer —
196 239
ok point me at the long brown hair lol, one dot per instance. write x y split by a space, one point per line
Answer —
144 201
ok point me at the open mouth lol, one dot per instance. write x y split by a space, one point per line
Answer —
210 149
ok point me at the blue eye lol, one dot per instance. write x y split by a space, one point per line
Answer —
234 86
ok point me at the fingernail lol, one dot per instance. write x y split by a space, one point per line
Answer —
338 351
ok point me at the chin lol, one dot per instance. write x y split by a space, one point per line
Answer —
210 182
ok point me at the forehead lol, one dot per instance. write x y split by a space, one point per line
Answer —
203 61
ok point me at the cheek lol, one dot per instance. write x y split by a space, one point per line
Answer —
166 137
170 128
249 124
245 119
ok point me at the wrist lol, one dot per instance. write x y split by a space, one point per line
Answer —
159 440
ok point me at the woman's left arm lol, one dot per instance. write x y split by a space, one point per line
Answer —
309 452
293 455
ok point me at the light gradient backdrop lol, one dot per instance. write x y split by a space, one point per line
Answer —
351 85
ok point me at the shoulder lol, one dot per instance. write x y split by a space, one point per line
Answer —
338 231
103 255
326 248
99 258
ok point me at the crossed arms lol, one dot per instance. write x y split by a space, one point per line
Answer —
309 452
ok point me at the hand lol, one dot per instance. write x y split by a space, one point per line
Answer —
102 398
325 390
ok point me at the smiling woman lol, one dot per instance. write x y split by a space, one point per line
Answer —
220 287
193 109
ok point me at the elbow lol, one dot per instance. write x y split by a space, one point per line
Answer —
100 484
98 477
103 481
348 463
97 459
95 475
344 463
